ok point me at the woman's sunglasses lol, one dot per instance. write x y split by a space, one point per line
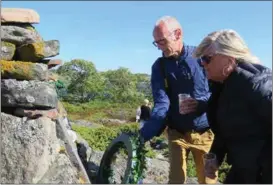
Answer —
206 59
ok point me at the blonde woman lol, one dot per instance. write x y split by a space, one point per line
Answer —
239 109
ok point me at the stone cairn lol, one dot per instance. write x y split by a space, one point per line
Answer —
36 147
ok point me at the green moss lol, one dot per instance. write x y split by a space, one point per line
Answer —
29 27
39 49
16 69
62 150
32 52
8 44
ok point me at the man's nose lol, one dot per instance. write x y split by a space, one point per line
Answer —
161 47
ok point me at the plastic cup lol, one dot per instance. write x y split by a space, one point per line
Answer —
209 159
181 98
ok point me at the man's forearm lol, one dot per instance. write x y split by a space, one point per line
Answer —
156 124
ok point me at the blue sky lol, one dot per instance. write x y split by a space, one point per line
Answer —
119 34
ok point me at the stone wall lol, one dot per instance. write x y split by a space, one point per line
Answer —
35 147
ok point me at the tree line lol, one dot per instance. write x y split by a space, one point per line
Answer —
80 82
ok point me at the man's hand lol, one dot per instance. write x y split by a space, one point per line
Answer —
189 105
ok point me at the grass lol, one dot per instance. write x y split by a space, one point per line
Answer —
94 111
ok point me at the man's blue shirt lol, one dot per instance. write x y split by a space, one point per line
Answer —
184 75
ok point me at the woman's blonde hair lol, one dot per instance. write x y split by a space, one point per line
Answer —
227 42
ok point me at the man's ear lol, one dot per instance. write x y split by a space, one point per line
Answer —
178 34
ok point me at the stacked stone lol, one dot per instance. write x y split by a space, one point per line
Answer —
31 114
25 63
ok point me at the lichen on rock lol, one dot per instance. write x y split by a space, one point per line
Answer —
7 50
23 70
39 50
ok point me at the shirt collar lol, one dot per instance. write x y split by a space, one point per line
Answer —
182 56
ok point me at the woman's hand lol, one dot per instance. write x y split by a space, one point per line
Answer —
211 169
189 105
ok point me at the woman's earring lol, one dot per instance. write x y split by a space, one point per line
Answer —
226 71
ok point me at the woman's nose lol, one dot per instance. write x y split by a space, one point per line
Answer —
203 63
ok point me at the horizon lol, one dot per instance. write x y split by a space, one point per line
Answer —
119 34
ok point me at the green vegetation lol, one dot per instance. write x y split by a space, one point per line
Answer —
83 83
100 138
96 110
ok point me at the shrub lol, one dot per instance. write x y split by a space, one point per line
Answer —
150 153
95 111
100 138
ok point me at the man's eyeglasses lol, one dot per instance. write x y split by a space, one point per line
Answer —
163 41
160 42
206 59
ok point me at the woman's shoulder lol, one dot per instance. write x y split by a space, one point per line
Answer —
253 78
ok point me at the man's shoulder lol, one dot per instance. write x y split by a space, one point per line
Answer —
156 62
189 49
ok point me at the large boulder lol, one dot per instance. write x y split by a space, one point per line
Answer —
19 15
39 50
24 70
28 148
61 172
20 34
71 149
83 149
7 51
157 171
28 94
61 110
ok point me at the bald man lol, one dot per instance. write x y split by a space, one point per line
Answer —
188 131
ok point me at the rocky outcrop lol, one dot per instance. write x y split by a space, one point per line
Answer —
20 41
29 147
61 171
19 34
36 147
19 15
38 50
28 94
